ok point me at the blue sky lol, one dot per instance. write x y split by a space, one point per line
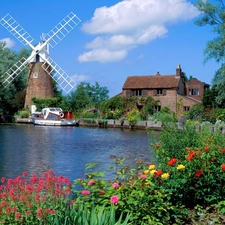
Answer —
117 39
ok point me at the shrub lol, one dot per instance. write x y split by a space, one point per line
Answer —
195 164
35 200
133 116
24 114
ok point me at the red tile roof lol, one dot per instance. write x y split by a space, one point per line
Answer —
150 82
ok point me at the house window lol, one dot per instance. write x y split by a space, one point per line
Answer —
186 108
138 92
35 75
159 91
157 108
193 91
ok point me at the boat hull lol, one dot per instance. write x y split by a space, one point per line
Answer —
62 122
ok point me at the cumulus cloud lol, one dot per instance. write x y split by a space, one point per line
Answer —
9 42
131 23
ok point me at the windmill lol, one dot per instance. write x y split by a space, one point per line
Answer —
42 69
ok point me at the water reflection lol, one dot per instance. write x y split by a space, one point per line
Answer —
66 150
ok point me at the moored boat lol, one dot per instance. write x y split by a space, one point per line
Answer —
52 117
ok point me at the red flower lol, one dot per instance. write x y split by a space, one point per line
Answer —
223 166
198 173
206 148
191 155
3 179
172 161
159 173
222 150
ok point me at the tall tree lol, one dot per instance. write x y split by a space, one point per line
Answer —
213 14
11 97
87 95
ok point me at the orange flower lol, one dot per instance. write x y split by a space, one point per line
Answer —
206 148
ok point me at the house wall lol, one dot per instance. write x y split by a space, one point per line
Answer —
195 84
168 100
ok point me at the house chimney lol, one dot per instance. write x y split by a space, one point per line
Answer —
178 71
157 74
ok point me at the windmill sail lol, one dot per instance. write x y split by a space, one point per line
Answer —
54 36
15 70
59 75
42 68
16 30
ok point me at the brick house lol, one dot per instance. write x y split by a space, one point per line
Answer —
171 90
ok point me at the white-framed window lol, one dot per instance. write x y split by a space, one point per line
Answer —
193 91
35 75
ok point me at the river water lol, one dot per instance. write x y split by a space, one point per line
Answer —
66 150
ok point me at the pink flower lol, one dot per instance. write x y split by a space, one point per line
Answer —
27 213
40 212
85 192
114 199
3 179
91 182
17 215
143 176
37 197
115 185
52 212
24 174
102 192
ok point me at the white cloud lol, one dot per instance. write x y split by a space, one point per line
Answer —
9 42
130 23
102 55
80 78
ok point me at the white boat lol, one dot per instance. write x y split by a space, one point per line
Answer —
52 117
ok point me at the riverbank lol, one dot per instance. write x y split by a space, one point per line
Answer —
140 125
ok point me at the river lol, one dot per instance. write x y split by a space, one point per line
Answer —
66 150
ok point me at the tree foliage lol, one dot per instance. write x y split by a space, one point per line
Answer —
87 95
12 97
213 14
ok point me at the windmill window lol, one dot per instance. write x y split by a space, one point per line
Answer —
35 75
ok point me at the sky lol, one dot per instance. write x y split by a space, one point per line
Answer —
116 39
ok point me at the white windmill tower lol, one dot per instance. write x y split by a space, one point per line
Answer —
42 69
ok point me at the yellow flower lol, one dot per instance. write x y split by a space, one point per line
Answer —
146 172
180 167
165 175
151 167
152 172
